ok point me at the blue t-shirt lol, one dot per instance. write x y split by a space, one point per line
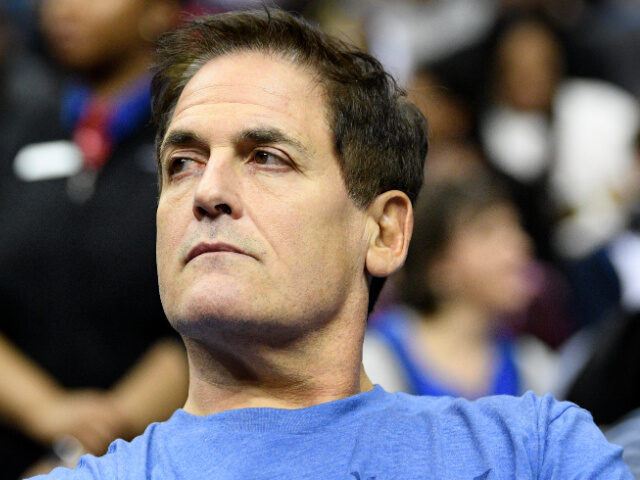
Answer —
370 436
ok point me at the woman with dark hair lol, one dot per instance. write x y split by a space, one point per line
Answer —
468 265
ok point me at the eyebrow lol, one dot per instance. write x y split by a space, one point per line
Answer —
181 138
273 135
261 135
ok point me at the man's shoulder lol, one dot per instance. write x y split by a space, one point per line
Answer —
534 420
535 436
519 409
123 460
395 436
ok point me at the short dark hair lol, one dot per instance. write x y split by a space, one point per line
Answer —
439 212
379 136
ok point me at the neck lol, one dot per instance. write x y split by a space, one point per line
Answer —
321 367
456 343
464 324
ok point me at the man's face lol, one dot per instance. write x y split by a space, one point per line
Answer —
255 227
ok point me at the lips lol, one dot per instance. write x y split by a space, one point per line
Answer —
213 247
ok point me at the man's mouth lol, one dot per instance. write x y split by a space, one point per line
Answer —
212 247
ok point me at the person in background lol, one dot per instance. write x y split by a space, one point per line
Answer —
469 264
606 356
564 144
85 352
453 146
27 86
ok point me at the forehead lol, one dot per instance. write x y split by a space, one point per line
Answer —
255 87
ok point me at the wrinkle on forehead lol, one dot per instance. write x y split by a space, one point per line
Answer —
265 65
290 100
232 93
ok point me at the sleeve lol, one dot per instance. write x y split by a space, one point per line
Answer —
89 468
571 446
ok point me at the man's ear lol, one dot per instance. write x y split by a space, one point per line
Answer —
391 215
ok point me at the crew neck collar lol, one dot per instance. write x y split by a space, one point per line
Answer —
300 420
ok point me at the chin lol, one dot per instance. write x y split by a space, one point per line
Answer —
231 331
222 320
202 307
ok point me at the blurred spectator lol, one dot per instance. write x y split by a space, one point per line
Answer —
626 433
343 19
468 265
565 145
606 355
515 128
452 149
454 154
608 385
26 88
86 354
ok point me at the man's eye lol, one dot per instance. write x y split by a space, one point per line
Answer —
262 157
178 165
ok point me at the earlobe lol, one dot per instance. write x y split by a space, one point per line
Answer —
392 215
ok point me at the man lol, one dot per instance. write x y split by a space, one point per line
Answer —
288 166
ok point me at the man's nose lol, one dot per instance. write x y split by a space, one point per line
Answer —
217 191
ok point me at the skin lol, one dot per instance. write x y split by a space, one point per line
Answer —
473 271
248 161
35 403
529 67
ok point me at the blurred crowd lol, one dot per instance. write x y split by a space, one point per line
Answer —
524 268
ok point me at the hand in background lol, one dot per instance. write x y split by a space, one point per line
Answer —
90 416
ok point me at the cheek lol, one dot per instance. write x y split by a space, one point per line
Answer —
162 249
293 235
313 224
473 267
312 237
168 235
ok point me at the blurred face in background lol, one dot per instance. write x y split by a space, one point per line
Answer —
486 262
528 67
93 35
449 116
